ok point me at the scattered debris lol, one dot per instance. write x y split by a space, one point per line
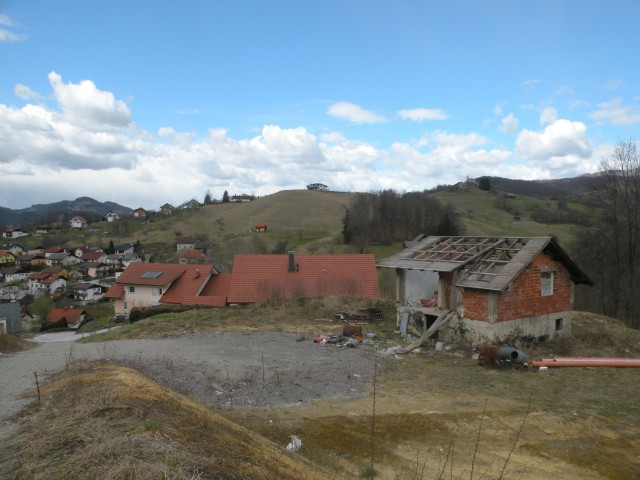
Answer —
295 444
337 340
352 331
363 316
494 356
397 350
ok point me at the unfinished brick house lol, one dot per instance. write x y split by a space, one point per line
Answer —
488 287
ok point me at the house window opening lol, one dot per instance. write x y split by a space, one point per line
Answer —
559 324
546 283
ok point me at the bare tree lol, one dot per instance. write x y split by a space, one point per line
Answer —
610 249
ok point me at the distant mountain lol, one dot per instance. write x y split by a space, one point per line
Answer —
560 188
42 214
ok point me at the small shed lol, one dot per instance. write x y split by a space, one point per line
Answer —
10 319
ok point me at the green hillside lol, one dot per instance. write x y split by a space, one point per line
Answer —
307 221
486 213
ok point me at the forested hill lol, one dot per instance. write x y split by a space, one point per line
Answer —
49 213
566 188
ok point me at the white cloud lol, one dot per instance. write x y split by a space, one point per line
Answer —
531 83
354 113
166 132
563 146
84 104
51 153
442 157
575 104
420 114
25 92
616 113
497 110
612 85
6 35
548 115
509 124
563 90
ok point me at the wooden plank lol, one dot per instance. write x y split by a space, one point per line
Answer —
444 317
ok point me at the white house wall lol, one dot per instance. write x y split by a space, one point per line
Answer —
418 285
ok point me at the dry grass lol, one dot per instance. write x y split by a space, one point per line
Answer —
580 423
13 343
297 316
109 422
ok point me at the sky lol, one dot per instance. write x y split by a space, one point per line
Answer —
146 102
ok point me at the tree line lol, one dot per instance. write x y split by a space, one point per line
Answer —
385 217
609 249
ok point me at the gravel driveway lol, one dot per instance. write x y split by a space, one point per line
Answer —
237 369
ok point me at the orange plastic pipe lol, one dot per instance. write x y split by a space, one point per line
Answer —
586 362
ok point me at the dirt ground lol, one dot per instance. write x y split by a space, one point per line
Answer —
407 415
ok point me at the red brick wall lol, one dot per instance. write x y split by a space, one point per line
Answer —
524 299
476 304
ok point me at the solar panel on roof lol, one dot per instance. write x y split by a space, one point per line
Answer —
150 274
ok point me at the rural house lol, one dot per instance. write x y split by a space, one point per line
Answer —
15 233
112 216
167 209
491 287
74 316
78 222
317 186
145 284
194 256
254 278
7 258
45 283
139 213
185 243
257 278
87 293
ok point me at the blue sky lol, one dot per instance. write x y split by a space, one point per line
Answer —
149 102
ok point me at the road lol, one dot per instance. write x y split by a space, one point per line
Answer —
231 368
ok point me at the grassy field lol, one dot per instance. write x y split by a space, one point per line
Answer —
483 213
430 414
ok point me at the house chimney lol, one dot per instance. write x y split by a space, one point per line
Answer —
292 263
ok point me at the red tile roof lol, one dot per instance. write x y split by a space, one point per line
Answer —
51 278
263 277
192 253
38 276
191 289
186 284
91 256
71 314
115 292
153 274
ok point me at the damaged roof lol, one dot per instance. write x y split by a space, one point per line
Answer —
488 263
